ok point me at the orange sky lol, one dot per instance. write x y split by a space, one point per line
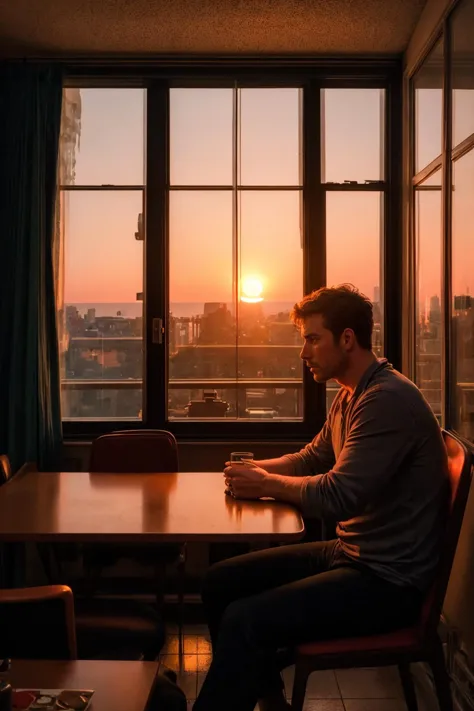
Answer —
104 262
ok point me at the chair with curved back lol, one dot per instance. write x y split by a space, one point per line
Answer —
44 623
135 451
37 623
138 451
418 643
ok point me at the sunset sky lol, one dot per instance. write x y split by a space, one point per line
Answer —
104 262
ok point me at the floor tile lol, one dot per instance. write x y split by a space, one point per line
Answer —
321 684
374 705
171 645
203 644
323 705
375 683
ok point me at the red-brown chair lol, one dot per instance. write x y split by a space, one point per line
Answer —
44 623
420 643
38 623
138 451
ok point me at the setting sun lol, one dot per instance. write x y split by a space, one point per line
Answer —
251 290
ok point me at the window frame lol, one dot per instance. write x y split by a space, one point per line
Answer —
311 75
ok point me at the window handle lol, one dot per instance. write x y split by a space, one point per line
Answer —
158 330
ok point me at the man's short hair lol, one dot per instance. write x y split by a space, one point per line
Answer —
341 307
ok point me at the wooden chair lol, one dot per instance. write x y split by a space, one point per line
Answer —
38 623
420 643
138 451
45 623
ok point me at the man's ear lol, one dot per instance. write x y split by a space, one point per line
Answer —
348 338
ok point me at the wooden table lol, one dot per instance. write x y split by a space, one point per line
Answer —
118 686
141 508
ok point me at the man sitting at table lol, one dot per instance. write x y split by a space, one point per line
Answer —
379 468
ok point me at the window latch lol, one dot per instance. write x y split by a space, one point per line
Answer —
158 330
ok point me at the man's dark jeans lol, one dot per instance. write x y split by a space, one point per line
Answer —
259 603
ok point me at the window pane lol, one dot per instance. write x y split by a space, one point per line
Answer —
201 143
202 313
428 204
271 281
260 370
354 239
269 137
100 319
428 91
463 71
463 288
352 135
103 131
255 403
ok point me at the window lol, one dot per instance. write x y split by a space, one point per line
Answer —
101 290
236 264
191 219
428 295
442 215
353 158
463 290
427 85
353 136
462 196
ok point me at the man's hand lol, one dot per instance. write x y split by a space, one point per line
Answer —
246 480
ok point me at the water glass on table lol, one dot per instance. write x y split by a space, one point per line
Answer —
236 457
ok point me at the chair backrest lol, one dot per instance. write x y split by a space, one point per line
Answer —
135 451
5 469
37 623
460 465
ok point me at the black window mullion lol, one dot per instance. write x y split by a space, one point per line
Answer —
392 216
447 359
156 255
314 235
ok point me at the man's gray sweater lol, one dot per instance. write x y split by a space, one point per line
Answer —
379 468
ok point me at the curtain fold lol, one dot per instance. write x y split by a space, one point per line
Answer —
30 122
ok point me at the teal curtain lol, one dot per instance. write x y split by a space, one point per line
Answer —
30 122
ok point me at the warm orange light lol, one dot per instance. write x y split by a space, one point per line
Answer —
251 290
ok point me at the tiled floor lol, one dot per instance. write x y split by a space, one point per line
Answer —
343 690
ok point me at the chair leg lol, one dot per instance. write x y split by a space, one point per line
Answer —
441 678
181 576
408 687
299 688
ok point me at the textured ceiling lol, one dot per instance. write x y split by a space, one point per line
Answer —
98 27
